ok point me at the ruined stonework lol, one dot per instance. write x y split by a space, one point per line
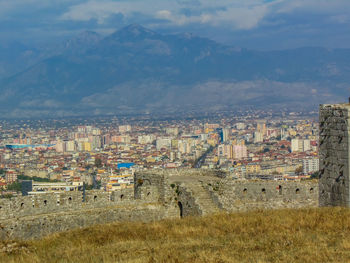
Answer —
158 194
236 196
334 155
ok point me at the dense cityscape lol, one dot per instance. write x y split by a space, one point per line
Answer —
104 153
175 131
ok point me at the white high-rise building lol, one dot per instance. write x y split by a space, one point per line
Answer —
306 145
226 132
261 127
283 134
70 146
299 145
163 143
258 137
96 142
124 128
225 150
172 131
311 165
295 145
146 139
239 152
60 146
240 126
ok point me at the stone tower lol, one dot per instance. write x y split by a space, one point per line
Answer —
334 155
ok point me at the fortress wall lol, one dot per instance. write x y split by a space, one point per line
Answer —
41 225
61 202
188 172
39 204
197 173
123 196
244 195
149 193
150 179
334 155
155 186
157 197
187 202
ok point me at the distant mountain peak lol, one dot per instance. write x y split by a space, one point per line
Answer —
88 36
186 35
137 29
74 45
89 33
133 31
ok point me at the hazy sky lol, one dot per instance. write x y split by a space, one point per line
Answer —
257 24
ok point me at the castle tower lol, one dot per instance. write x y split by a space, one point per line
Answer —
334 155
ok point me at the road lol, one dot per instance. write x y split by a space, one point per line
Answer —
199 162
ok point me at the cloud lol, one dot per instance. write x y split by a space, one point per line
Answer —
313 6
340 19
99 11
180 19
238 22
239 15
11 8
243 18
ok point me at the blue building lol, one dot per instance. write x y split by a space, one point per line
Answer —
125 165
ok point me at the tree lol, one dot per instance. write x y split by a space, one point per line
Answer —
15 186
98 162
164 157
299 170
315 175
97 185
88 187
35 178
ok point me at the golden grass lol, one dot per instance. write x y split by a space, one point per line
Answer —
309 235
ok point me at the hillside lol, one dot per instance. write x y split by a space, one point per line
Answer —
138 70
313 235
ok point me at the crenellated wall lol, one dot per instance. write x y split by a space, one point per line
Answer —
157 194
245 195
62 202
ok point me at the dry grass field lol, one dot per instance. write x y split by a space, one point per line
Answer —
309 235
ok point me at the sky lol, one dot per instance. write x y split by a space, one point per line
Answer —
253 24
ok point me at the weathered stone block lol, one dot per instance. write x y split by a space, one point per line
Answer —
334 155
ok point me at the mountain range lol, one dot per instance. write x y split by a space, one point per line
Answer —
137 70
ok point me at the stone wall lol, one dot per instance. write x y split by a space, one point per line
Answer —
158 184
334 155
233 195
157 195
30 227
186 202
153 180
62 202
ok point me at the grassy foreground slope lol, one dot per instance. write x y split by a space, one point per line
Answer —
309 235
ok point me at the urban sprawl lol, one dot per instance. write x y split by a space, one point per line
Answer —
76 155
